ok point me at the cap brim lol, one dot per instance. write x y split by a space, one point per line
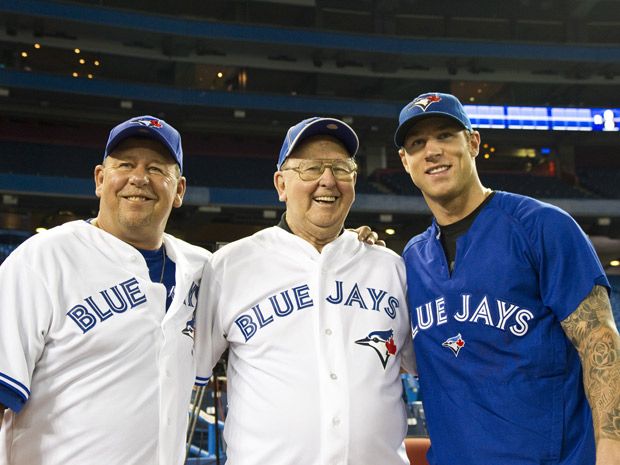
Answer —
404 128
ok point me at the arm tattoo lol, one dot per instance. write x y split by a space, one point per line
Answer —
592 330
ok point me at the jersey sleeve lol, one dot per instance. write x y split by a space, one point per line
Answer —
568 265
10 398
25 315
407 361
210 338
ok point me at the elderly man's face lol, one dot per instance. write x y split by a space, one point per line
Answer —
316 209
138 185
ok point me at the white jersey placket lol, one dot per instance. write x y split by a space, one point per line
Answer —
333 374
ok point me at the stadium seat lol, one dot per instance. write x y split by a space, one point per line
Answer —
416 450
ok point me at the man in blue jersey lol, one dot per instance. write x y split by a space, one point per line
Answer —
518 354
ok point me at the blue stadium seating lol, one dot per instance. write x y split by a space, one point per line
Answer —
400 183
48 159
534 186
78 162
603 181
252 172
397 180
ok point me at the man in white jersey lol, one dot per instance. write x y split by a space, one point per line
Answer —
97 319
315 320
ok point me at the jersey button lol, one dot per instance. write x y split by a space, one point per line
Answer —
328 332
333 376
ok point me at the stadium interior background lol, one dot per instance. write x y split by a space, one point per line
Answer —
233 75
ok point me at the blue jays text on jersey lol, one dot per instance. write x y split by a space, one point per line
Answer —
298 298
327 331
119 298
495 312
494 349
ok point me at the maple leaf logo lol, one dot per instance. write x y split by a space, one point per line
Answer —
391 346
382 342
455 344
425 102
154 123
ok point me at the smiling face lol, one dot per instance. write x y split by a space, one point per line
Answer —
138 185
439 155
315 210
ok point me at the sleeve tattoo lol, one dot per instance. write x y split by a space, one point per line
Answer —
592 330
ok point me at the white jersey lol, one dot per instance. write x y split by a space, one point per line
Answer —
85 339
316 344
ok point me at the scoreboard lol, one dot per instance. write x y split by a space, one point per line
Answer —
544 118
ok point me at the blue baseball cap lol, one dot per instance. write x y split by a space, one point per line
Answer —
426 105
149 127
314 127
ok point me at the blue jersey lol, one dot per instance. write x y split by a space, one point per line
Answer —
502 384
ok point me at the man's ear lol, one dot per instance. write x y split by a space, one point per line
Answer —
280 184
474 143
402 154
98 175
181 187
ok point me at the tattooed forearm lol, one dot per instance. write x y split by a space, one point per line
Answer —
592 330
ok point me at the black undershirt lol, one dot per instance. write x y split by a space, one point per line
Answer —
283 224
451 232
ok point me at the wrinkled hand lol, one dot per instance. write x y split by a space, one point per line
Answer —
367 235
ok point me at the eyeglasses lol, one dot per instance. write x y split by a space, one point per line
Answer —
311 170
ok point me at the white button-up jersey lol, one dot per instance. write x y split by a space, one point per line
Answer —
316 343
105 372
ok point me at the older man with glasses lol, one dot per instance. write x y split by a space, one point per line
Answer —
315 321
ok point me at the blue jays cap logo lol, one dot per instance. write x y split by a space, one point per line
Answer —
150 122
455 344
382 342
425 102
